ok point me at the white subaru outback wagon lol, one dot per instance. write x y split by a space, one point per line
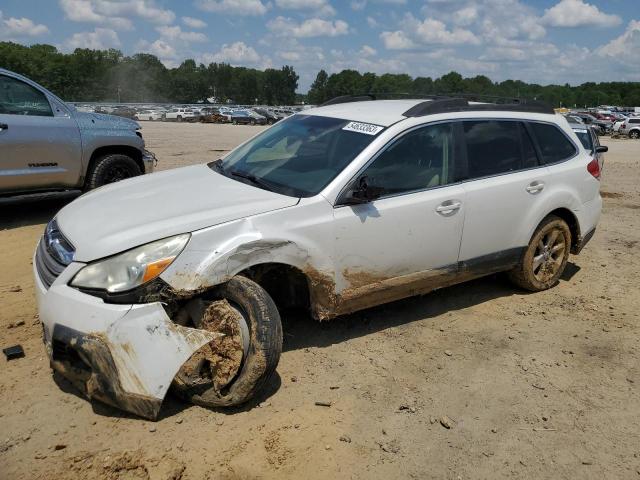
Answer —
177 278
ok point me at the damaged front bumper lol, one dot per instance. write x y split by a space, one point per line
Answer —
123 355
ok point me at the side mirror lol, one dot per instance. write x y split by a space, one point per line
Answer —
602 149
362 192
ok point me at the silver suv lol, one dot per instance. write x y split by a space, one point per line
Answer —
45 144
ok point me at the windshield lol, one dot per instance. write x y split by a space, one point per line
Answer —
298 156
584 137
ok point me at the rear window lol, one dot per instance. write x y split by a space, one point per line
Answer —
554 145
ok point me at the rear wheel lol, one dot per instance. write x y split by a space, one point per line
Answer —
546 256
234 368
634 134
111 168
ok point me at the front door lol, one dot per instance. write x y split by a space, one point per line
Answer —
407 241
38 148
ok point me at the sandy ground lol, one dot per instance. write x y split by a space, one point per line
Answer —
540 385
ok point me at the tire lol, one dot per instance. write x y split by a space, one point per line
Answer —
234 122
259 360
179 118
111 168
635 134
252 122
545 258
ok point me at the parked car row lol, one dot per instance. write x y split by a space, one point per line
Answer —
607 122
237 115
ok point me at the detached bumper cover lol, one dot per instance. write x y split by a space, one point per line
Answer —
123 355
150 161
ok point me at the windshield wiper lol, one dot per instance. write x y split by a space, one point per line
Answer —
253 179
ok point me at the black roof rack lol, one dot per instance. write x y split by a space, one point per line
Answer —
453 103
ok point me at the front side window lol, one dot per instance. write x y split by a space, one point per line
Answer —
298 156
19 98
554 145
421 159
497 146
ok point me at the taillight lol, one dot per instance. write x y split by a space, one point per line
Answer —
593 167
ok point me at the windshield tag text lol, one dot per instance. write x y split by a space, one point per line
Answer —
366 128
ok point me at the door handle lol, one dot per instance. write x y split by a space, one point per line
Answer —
449 207
3 126
535 187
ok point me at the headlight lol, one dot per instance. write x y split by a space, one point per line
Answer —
132 268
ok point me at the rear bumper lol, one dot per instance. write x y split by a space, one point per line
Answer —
123 355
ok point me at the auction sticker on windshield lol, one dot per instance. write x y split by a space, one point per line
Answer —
366 128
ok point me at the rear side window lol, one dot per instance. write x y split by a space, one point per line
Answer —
554 145
495 147
634 120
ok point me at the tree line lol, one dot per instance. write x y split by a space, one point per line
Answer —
109 76
348 82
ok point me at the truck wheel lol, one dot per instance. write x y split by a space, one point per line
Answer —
111 168
234 368
546 256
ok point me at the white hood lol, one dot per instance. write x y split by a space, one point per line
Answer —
140 210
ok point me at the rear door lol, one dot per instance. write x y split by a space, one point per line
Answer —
39 145
505 189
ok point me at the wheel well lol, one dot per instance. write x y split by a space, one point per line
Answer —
122 149
574 227
287 285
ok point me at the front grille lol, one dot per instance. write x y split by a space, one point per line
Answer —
53 255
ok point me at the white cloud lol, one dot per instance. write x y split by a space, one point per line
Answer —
99 39
625 48
577 13
233 7
372 22
115 14
12 27
289 56
319 7
397 40
237 53
367 51
313 27
504 54
427 32
466 16
193 22
174 32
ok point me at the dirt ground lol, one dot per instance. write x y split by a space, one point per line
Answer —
542 385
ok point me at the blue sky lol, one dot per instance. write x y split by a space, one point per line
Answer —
542 41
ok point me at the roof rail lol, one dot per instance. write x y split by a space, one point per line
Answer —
350 98
458 102
431 107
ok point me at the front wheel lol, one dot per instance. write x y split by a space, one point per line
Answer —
545 258
111 168
235 367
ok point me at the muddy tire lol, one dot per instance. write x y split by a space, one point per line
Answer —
111 168
260 359
545 259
